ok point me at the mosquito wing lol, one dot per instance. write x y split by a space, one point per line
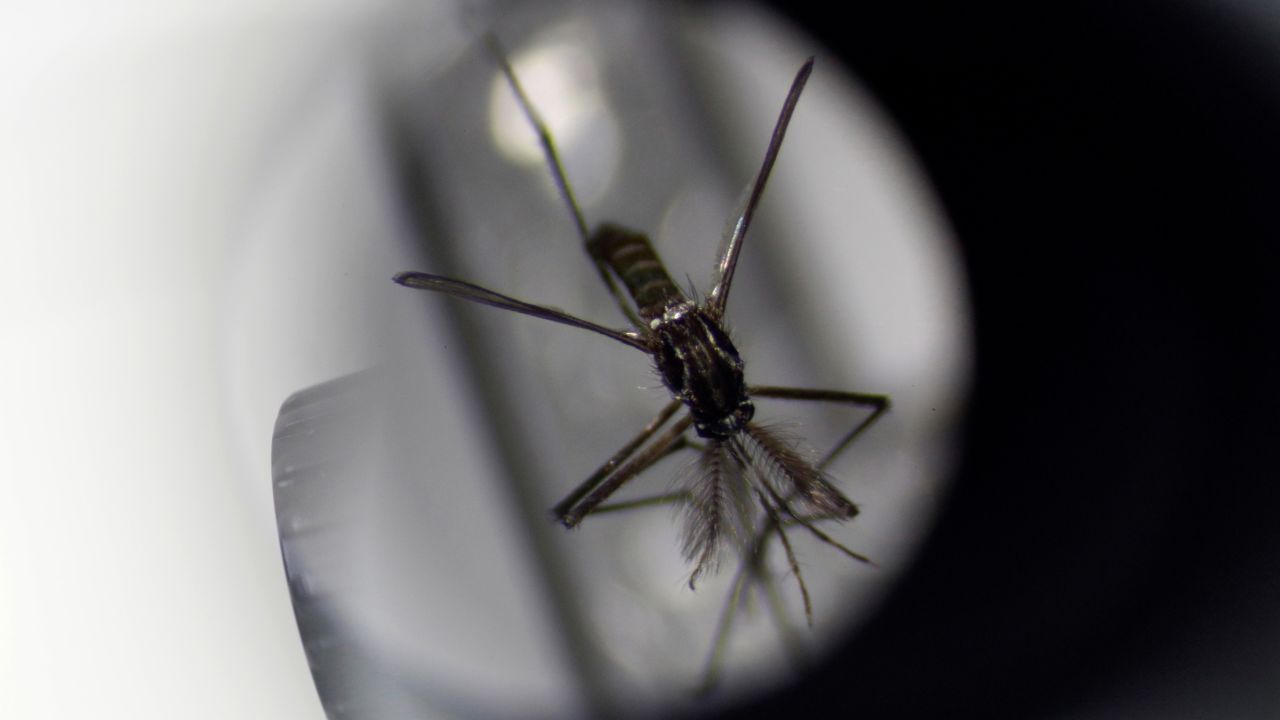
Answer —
729 259
475 293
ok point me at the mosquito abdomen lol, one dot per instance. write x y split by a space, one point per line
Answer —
631 257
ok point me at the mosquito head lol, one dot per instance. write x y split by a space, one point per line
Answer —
726 425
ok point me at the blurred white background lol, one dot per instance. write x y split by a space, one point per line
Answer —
138 576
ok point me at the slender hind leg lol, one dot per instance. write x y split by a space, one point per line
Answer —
591 495
878 403
564 510
636 465
753 567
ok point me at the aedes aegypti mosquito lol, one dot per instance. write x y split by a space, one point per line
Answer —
742 464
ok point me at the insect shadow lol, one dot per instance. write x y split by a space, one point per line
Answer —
751 484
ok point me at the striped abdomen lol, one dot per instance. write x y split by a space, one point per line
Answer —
630 256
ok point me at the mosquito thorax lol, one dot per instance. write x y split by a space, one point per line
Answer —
701 367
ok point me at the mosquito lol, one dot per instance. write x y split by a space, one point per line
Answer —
750 483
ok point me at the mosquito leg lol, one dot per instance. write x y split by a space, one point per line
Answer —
561 510
773 598
878 403
754 564
558 173
715 662
775 505
674 498
753 567
775 522
807 522
684 443
618 296
636 465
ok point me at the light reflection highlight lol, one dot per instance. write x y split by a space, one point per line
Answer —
560 74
